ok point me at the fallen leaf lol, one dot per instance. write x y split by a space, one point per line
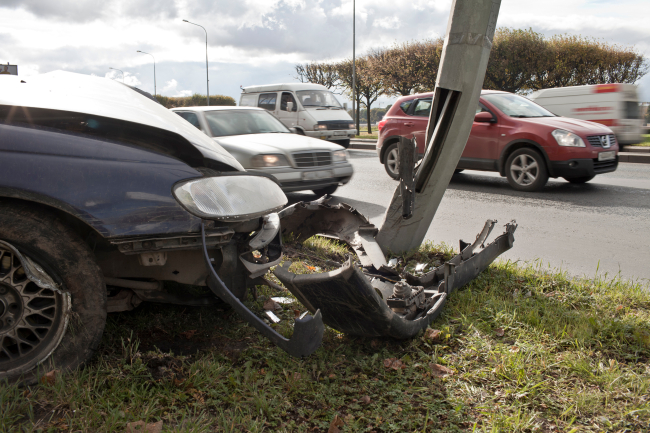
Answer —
365 399
178 382
335 424
393 363
311 268
141 427
514 349
619 308
271 305
49 378
296 314
189 334
332 376
499 332
440 370
433 334
297 376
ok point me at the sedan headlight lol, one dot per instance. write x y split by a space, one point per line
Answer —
339 156
566 138
320 127
230 198
269 161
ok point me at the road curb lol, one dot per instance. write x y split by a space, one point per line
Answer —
639 158
362 146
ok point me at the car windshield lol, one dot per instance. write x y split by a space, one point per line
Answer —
317 98
516 106
241 122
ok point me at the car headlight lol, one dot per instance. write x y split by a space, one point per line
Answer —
566 138
230 198
339 156
320 127
269 161
351 126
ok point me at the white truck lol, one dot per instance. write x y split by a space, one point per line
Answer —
613 105
311 109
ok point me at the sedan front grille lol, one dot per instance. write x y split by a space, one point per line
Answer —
312 159
598 140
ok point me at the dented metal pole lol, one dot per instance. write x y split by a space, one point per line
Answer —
461 73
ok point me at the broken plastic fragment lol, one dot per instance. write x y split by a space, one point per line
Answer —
420 267
282 300
392 263
273 317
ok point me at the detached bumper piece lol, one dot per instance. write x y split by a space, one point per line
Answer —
371 300
307 332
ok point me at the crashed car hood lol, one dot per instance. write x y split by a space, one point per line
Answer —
67 91
275 143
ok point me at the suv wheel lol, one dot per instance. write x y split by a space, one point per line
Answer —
526 170
52 296
327 190
391 161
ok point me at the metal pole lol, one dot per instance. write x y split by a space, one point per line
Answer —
154 71
354 65
207 76
115 69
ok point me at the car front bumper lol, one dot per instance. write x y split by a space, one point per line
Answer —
300 179
334 135
582 167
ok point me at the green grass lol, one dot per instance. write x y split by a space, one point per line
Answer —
646 141
531 350
366 135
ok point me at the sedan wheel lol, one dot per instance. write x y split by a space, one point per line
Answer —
391 161
526 170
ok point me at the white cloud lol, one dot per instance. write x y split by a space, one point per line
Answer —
171 89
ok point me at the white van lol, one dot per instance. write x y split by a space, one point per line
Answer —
613 105
309 108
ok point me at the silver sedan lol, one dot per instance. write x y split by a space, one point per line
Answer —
260 142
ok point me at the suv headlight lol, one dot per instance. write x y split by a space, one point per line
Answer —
339 156
269 161
566 138
320 127
230 198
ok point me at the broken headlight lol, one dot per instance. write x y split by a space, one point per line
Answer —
230 198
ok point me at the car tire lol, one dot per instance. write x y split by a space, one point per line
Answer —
300 131
344 143
43 329
579 180
391 161
326 190
526 170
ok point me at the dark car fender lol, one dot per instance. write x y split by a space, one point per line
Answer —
116 188
517 144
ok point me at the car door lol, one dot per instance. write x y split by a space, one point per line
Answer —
288 118
482 148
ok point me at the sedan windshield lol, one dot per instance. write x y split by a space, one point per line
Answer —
516 106
241 122
318 98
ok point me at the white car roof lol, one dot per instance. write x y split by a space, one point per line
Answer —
283 86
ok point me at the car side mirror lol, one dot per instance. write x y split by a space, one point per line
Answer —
289 106
484 117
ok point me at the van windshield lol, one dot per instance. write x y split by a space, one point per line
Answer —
516 106
241 122
318 98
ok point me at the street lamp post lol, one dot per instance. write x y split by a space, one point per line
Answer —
354 65
115 69
207 76
154 71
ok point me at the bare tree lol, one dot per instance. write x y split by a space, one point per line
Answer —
321 73
368 86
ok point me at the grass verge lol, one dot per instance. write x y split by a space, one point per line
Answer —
520 349
367 136
645 142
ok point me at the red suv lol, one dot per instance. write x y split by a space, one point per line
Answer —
512 135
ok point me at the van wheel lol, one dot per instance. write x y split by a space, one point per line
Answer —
578 180
391 161
526 170
53 316
300 131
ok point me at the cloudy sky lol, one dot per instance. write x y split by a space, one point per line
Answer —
260 41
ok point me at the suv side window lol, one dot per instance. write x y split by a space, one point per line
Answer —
190 117
267 101
422 107
482 108
406 105
288 97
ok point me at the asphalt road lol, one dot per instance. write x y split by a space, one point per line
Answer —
602 226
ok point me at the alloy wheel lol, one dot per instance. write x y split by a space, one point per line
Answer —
392 161
524 169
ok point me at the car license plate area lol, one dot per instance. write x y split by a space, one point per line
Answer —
340 133
606 156
314 175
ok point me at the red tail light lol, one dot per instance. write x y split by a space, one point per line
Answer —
381 124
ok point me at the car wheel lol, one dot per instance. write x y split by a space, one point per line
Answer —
300 131
526 170
391 161
327 190
52 296
344 143
582 179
